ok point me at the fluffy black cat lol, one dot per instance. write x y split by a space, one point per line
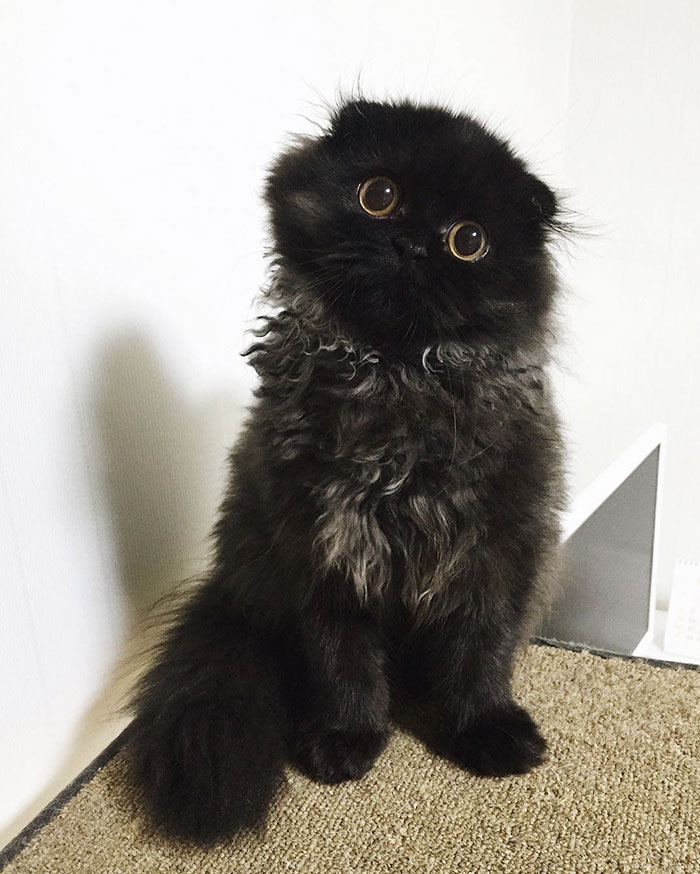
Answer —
394 498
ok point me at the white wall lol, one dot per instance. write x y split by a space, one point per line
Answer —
633 313
133 141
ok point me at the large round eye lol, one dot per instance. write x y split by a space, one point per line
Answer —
379 196
467 241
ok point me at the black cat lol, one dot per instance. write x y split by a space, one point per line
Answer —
394 496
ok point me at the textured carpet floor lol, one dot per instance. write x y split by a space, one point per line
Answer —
619 793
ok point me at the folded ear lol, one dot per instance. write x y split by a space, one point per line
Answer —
543 200
353 116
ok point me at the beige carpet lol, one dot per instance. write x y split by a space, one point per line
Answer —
619 793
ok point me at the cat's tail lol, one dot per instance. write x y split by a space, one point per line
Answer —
207 745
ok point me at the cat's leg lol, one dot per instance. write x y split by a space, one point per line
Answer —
343 717
468 663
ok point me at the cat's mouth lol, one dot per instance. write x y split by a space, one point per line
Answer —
413 276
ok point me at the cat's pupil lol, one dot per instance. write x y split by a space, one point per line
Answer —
468 240
379 195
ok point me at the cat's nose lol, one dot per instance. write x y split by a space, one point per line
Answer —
409 250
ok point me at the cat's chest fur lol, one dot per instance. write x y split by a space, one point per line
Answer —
401 464
403 492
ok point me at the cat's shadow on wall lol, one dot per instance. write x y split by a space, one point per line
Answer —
161 467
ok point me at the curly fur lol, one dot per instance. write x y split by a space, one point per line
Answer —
395 494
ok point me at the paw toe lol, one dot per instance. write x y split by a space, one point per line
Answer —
333 756
505 742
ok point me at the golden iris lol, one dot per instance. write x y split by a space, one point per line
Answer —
379 196
467 241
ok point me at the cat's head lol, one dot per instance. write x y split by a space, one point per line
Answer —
415 225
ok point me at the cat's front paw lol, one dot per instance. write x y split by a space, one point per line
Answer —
332 755
503 742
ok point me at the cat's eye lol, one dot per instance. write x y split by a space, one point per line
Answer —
379 196
467 241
